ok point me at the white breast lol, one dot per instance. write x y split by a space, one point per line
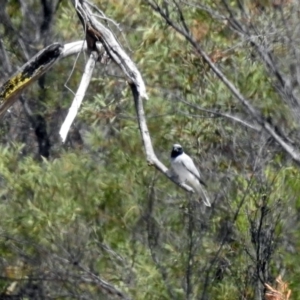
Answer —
180 169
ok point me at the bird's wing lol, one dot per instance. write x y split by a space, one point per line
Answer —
188 163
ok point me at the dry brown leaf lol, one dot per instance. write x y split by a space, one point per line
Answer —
280 292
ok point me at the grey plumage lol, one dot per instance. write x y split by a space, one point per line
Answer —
184 167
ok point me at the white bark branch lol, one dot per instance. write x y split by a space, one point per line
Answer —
101 35
27 75
73 48
18 82
125 63
112 47
85 81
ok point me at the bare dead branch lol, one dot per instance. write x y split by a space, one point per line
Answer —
73 48
98 35
98 32
28 74
84 83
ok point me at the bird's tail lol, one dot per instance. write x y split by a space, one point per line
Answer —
203 196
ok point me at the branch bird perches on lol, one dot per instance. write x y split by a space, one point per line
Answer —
98 37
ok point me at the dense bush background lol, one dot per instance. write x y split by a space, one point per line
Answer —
91 210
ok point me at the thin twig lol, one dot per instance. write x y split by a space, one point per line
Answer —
225 115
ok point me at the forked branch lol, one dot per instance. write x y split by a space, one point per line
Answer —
97 38
97 33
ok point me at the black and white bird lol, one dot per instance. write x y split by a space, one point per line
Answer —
184 167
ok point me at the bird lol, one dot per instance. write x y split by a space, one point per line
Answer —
184 167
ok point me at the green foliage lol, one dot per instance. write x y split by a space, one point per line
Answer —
97 205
